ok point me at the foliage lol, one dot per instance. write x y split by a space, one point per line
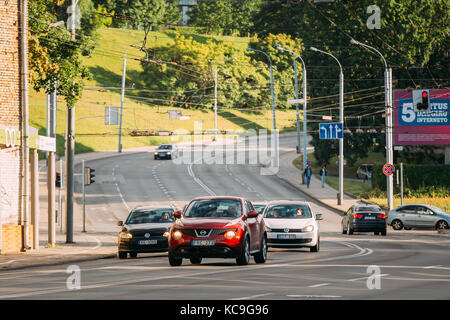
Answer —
224 16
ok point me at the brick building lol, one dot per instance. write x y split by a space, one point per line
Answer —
11 164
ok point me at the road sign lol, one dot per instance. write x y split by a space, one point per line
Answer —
293 101
331 130
388 169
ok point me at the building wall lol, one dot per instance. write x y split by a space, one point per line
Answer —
10 120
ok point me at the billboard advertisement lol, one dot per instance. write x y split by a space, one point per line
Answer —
430 127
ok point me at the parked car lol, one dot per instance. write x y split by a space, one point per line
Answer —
364 218
364 171
217 227
166 151
145 230
418 216
292 224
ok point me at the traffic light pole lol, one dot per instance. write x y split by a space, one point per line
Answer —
83 183
51 199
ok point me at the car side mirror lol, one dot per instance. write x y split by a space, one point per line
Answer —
319 216
120 223
252 214
177 214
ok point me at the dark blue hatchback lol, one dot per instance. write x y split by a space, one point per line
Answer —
364 218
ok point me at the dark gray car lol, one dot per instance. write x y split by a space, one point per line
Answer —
418 216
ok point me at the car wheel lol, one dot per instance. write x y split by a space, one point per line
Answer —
316 248
261 256
156 158
244 256
349 229
123 255
407 228
196 260
397 225
174 261
133 254
376 233
344 231
383 232
441 225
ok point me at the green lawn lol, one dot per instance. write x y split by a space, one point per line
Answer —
353 187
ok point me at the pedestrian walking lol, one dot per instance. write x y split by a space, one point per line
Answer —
308 174
323 173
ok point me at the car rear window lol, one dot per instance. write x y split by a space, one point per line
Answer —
367 209
216 208
288 212
150 216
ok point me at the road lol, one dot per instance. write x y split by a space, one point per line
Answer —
402 265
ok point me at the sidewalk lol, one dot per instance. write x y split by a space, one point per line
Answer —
327 195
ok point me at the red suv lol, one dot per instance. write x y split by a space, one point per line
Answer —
218 227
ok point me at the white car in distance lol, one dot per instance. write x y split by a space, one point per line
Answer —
292 224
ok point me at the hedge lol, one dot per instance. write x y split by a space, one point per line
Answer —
414 176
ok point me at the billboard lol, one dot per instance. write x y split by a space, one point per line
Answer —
431 127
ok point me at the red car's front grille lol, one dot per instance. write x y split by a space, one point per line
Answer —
209 232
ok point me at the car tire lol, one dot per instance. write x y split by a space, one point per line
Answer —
344 231
376 233
397 225
196 260
261 256
133 254
123 255
383 232
316 248
156 158
174 261
441 224
349 229
407 228
243 257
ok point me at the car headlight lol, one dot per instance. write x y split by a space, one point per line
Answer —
156 153
230 234
308 229
166 234
177 235
268 229
168 153
125 235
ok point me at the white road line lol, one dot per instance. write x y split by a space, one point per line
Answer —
319 285
199 182
120 193
364 278
432 267
311 296
251 297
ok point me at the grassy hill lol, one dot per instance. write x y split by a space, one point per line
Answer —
106 67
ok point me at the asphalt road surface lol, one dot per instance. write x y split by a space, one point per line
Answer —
402 265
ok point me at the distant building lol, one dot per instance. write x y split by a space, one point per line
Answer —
186 6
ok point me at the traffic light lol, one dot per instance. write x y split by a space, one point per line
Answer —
421 100
90 175
58 180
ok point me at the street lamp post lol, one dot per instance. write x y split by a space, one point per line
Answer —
122 98
389 124
305 154
341 120
273 105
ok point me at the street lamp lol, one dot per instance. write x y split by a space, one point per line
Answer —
389 124
341 120
305 155
124 68
215 93
273 104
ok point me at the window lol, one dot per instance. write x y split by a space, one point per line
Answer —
216 208
288 212
150 216
408 209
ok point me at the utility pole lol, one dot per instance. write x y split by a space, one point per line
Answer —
83 186
215 98
70 148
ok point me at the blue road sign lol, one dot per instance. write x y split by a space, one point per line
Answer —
331 130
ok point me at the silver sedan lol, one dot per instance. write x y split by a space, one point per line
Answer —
418 216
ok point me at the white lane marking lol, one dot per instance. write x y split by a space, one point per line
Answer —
311 296
196 274
255 296
364 278
432 267
199 182
99 243
319 285
118 190
8 262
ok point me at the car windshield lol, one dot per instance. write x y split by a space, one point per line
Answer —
150 216
165 147
437 210
217 208
259 207
371 209
292 211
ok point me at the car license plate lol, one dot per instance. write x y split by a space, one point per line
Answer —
147 242
286 236
203 242
369 218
